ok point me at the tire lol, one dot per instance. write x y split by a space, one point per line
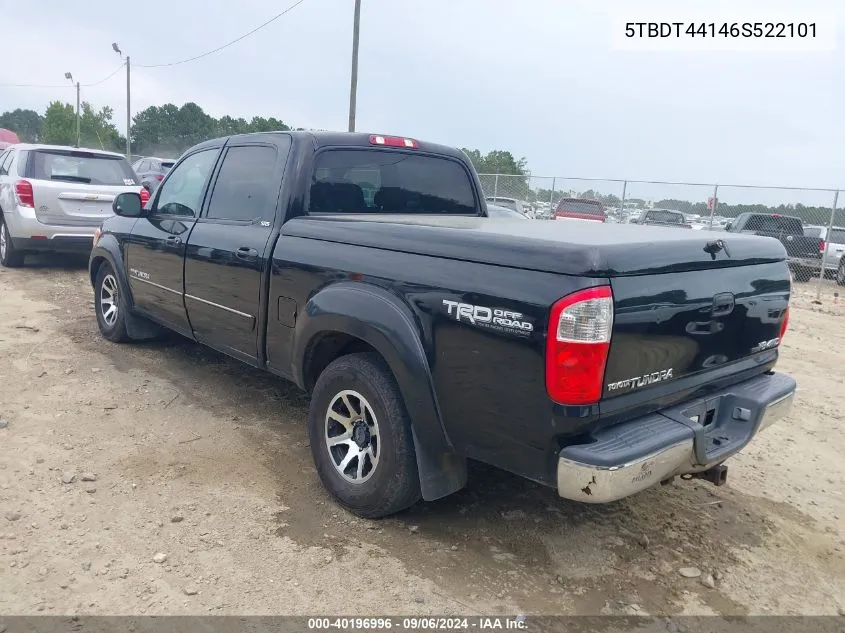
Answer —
801 275
840 272
362 393
9 256
108 294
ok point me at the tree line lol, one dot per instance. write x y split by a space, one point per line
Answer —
167 130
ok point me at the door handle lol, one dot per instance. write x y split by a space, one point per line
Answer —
245 252
174 240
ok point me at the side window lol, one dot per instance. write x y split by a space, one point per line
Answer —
3 157
181 193
143 166
245 189
6 163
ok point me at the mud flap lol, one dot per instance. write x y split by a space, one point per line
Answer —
441 474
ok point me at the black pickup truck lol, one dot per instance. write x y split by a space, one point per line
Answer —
663 217
596 359
804 252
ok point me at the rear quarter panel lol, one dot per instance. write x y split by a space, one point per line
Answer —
489 379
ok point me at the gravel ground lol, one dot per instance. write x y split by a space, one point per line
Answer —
164 478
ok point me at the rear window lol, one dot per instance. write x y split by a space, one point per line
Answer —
837 236
774 224
665 216
167 164
379 181
587 207
81 167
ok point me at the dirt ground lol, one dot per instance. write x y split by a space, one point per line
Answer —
164 478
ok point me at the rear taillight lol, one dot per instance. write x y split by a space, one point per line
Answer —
784 324
821 246
159 177
577 346
145 196
23 193
393 141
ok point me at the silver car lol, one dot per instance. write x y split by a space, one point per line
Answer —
510 203
53 198
835 239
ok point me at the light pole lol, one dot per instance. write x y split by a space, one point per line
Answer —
116 49
69 76
353 89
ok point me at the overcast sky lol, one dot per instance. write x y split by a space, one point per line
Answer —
540 78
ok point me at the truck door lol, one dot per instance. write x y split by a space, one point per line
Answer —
227 251
155 250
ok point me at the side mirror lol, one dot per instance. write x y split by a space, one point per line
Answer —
128 205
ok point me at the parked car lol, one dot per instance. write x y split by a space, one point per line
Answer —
52 198
504 213
834 239
805 252
580 209
510 203
663 217
8 138
596 360
151 170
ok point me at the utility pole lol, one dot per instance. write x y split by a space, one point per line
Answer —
77 114
75 83
128 114
353 89
117 50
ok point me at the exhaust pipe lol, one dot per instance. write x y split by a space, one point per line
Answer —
718 475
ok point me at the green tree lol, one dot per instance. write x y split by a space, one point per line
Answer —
95 126
59 124
27 124
496 162
97 129
260 124
193 125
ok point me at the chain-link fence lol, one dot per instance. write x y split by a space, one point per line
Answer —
803 219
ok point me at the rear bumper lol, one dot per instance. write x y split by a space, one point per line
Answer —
55 244
691 437
28 234
805 263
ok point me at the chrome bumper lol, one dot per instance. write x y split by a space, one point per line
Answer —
600 484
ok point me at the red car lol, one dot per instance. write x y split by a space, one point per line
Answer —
580 209
7 137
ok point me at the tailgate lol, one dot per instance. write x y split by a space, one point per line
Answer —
72 204
803 246
674 325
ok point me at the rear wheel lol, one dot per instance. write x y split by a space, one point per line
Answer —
840 272
361 439
9 256
110 305
801 274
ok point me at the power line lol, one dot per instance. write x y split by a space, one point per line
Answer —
97 83
37 85
69 85
220 48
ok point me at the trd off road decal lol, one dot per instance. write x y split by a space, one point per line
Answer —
494 319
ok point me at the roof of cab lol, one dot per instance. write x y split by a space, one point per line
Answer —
331 139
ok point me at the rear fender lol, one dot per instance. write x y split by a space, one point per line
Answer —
377 317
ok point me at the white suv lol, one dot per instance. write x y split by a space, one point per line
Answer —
53 198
